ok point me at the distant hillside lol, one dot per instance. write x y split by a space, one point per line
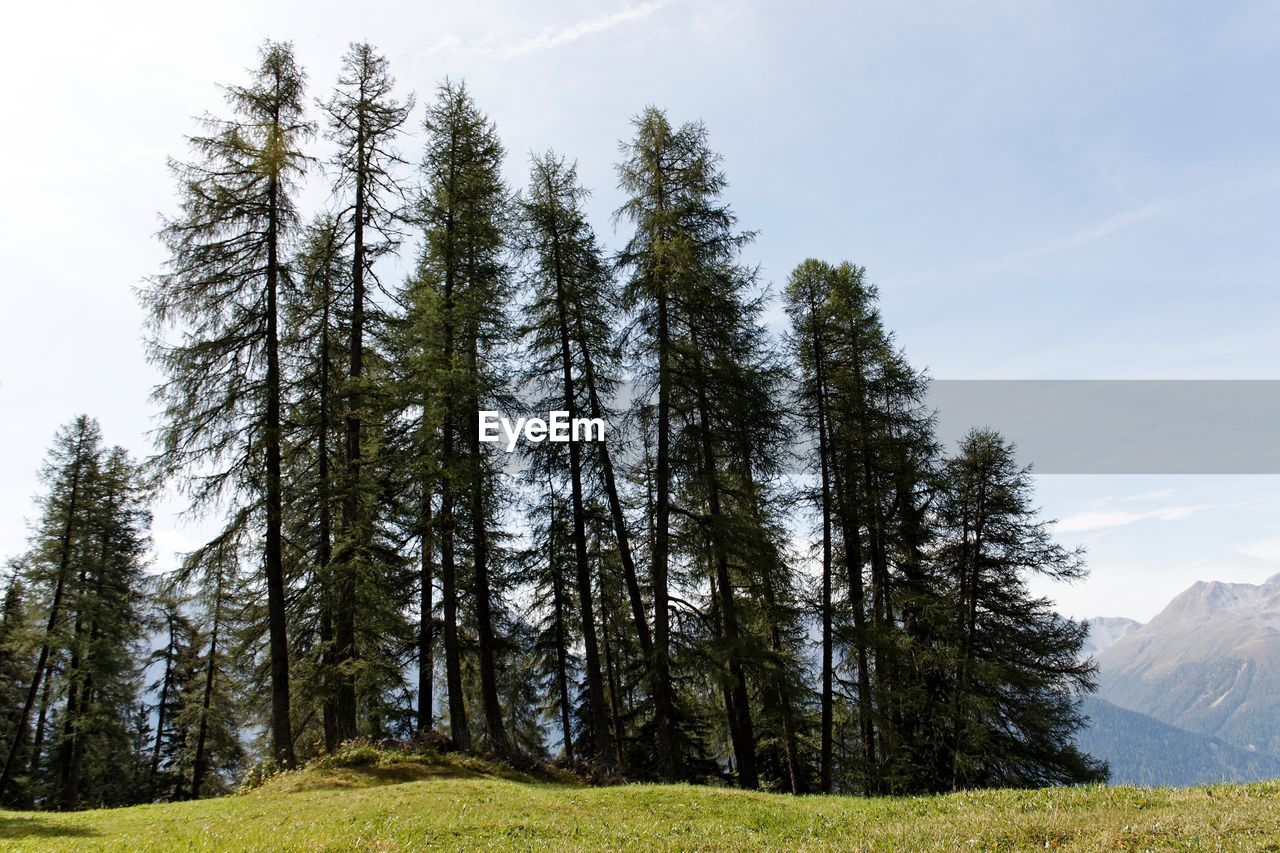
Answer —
1144 751
1106 631
370 801
1208 663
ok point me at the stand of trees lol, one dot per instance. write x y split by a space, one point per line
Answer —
636 606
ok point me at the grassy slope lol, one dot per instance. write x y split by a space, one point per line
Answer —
407 803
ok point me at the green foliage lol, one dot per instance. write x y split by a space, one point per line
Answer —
640 597
73 736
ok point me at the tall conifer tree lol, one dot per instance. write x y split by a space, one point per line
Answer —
58 541
364 121
222 294
458 295
565 326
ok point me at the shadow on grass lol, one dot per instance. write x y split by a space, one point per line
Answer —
39 826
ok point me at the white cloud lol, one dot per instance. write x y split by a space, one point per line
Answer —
1267 550
1095 520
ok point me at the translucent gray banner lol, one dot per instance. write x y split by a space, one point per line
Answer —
1085 426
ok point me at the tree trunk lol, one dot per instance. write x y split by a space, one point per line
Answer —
819 361
206 703
277 631
494 728
562 664
77 695
790 747
744 746
165 685
663 702
352 521
970 566
324 549
46 698
611 677
596 711
458 729
629 574
426 662
846 499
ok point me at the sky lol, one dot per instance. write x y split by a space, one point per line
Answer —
1084 190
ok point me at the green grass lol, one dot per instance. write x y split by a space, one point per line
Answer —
380 801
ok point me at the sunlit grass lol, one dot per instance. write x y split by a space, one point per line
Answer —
395 802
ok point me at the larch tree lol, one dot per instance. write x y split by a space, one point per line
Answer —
222 295
364 120
564 327
1013 708
207 706
649 174
177 660
57 542
106 623
314 351
696 345
459 293
86 560
806 302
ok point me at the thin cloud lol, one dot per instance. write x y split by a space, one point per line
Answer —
1088 521
1105 228
1267 550
1223 192
551 37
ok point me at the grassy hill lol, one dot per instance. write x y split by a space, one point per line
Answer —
381 801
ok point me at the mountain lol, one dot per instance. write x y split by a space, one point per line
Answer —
1105 631
1141 750
1208 663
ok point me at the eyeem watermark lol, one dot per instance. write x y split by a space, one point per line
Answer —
558 427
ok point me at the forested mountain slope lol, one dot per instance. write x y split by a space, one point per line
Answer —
1141 750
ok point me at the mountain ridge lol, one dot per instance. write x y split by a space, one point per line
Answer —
1208 663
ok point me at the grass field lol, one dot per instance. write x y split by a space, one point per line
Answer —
380 801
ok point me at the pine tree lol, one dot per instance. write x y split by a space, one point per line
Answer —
364 121
17 638
1013 709
107 623
701 351
314 351
226 280
807 294
58 541
565 327
458 293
